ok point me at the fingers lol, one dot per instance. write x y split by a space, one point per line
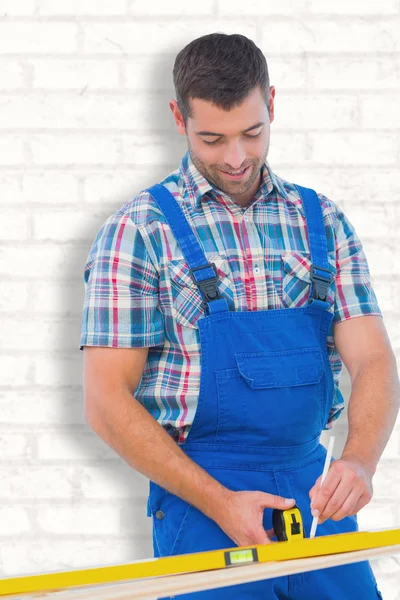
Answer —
324 493
343 493
342 500
272 501
351 506
312 493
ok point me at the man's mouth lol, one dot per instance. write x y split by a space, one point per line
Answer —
236 174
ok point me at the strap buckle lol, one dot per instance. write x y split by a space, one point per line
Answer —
208 287
320 284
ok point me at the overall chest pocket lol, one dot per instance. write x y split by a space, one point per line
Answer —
296 281
277 398
185 297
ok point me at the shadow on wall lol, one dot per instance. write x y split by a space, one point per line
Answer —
99 473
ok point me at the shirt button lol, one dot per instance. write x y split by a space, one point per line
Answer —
159 515
256 270
246 218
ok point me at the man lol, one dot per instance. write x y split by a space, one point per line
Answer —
219 308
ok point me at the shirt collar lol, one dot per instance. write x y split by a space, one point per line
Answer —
198 186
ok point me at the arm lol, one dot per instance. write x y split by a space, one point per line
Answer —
364 347
125 425
111 375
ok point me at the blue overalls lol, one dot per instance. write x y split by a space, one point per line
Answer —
266 390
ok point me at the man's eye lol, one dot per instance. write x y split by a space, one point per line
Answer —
246 135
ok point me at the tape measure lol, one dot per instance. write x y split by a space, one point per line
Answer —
288 524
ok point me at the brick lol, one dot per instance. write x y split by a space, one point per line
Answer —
15 371
51 187
378 515
287 149
46 554
76 446
148 73
327 35
298 111
14 225
31 334
40 38
14 520
11 75
56 407
171 8
354 7
113 187
14 297
388 585
141 150
75 8
75 74
10 189
386 114
21 8
74 149
388 294
14 446
65 111
292 8
60 372
354 72
392 450
287 73
36 482
387 480
112 482
57 299
65 226
49 260
11 149
355 148
166 36
78 520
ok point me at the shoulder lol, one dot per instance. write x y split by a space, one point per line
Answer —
330 209
143 209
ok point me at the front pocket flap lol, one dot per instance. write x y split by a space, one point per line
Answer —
180 272
299 265
286 368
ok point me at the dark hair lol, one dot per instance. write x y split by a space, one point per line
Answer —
220 68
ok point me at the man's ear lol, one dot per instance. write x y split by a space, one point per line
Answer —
271 103
177 117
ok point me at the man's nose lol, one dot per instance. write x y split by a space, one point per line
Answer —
235 155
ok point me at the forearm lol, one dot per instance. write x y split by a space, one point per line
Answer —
373 408
141 441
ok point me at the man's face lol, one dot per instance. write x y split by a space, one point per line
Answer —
221 143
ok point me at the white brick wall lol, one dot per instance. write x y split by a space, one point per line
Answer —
84 125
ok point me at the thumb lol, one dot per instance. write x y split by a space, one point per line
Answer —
271 501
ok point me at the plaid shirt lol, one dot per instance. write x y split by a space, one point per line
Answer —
139 292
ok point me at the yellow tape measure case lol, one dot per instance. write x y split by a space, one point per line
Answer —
288 524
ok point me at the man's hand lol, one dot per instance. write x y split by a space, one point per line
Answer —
241 516
346 490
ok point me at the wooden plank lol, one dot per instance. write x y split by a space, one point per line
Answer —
152 589
202 561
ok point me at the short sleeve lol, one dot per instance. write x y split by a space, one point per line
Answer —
354 295
121 305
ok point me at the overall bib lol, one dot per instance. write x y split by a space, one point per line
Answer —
266 390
